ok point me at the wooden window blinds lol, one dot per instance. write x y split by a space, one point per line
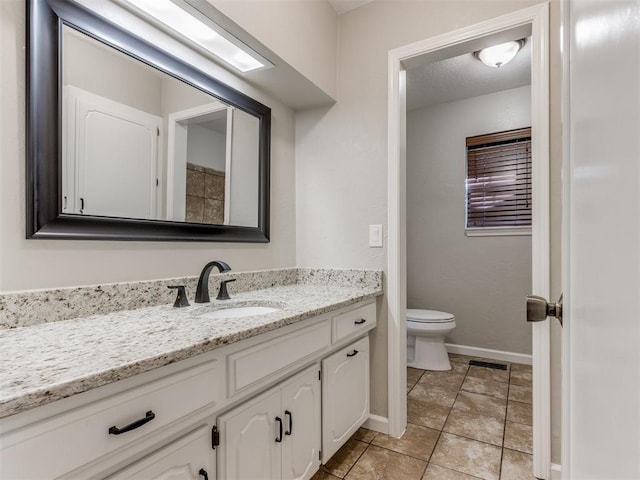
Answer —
499 179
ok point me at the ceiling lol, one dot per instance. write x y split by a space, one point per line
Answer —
464 76
342 6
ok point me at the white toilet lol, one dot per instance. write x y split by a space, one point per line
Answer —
426 330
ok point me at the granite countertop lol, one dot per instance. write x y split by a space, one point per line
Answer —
51 361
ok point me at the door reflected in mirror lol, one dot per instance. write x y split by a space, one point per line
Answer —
138 143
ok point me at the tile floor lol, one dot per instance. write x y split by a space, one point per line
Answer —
465 424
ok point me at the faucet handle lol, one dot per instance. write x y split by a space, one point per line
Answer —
181 298
222 293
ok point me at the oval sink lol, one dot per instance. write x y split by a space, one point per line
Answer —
239 312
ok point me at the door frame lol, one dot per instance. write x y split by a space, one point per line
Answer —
173 119
537 17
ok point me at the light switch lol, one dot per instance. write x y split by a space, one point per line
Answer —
375 235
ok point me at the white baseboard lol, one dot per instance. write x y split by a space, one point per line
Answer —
556 471
377 423
491 354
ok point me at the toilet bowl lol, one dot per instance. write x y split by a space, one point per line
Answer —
426 330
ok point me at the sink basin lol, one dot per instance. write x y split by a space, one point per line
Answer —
239 312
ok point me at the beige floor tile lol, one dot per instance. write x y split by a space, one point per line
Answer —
345 458
519 393
467 456
322 475
456 357
473 402
459 367
475 426
485 387
381 464
520 412
488 374
519 377
436 472
417 442
518 437
521 367
433 394
364 435
413 375
425 414
451 379
516 466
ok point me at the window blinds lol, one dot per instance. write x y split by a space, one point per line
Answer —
499 179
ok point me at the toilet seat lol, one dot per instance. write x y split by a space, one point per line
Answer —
428 316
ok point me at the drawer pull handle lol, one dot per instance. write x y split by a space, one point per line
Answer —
360 322
290 430
132 426
203 473
355 352
279 439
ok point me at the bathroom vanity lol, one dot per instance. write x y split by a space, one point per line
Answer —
190 395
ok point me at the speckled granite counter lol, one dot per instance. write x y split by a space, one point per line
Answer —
50 361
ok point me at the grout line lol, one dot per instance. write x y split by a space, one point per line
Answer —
504 430
359 456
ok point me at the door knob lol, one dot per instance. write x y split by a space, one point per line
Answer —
538 309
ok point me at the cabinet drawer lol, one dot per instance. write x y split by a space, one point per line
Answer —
75 438
255 363
189 457
353 322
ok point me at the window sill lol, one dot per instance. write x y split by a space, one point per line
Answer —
497 231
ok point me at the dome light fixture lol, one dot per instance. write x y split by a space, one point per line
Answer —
499 55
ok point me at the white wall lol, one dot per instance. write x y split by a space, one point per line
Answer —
31 264
100 69
481 280
244 170
206 147
303 33
341 151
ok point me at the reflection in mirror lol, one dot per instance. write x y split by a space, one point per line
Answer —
140 144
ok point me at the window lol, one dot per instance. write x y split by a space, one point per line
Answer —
498 183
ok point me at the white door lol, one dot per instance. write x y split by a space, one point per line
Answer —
249 434
111 157
345 395
188 458
301 401
601 365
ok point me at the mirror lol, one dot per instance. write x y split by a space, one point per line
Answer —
146 147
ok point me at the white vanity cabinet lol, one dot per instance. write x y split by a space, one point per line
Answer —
282 401
345 395
107 424
275 435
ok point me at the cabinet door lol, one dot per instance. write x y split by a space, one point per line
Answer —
345 395
188 458
301 403
248 447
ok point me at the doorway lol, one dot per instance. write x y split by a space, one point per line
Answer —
531 21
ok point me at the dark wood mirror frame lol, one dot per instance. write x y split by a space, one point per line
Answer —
44 128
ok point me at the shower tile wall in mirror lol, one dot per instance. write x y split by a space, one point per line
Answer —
138 143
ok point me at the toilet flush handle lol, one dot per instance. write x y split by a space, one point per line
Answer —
538 309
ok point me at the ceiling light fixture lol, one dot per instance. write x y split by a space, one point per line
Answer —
499 55
207 36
